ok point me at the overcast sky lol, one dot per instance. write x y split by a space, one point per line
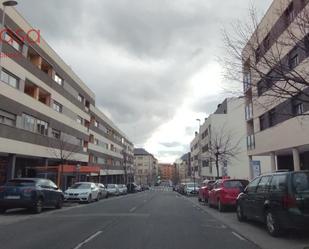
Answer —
153 64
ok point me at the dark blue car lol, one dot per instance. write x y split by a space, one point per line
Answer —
31 193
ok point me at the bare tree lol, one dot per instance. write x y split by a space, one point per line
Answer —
223 147
272 60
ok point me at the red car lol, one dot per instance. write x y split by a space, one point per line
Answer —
225 192
203 192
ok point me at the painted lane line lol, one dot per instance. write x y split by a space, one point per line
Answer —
132 209
238 236
87 240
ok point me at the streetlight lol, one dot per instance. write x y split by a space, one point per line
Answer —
4 4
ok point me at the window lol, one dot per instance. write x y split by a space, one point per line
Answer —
7 118
56 134
80 98
57 107
10 38
262 122
58 79
298 109
306 41
96 141
79 120
249 111
263 186
272 117
250 142
34 125
294 61
247 80
95 159
9 79
278 183
290 13
205 163
257 54
80 141
96 123
251 188
41 127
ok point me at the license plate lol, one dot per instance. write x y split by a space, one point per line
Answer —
12 197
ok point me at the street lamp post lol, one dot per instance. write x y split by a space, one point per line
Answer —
4 5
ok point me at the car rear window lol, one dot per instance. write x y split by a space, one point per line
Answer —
301 182
20 183
235 184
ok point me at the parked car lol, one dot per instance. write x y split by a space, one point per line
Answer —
132 188
145 187
113 189
225 192
181 189
203 193
123 190
82 192
102 191
138 188
191 188
281 200
31 193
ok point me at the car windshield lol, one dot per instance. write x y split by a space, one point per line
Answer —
20 183
81 186
235 184
301 182
111 186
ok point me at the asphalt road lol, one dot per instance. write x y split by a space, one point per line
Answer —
157 219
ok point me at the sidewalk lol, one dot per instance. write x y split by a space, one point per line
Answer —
256 232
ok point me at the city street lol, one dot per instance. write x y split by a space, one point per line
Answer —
153 219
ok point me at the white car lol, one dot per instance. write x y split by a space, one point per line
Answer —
82 192
102 191
112 189
191 188
123 190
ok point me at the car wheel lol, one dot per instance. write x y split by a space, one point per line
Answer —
59 203
89 200
240 213
221 207
199 199
272 224
38 206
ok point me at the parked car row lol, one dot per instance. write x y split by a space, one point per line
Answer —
189 188
36 193
280 200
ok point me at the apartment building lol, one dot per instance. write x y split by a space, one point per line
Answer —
48 115
276 125
182 168
224 132
195 164
167 171
145 167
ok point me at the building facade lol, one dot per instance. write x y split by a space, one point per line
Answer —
145 167
225 129
48 115
183 168
167 171
277 127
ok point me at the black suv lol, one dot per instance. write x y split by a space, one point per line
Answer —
32 193
281 200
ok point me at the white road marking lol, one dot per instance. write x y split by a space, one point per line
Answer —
87 240
132 209
238 236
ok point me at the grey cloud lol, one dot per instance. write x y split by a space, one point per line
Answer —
208 104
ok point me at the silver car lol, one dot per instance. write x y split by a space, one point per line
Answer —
191 188
123 190
102 191
112 189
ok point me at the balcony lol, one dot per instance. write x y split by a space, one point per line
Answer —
39 62
37 93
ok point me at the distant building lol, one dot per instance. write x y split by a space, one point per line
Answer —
167 171
145 167
183 168
227 121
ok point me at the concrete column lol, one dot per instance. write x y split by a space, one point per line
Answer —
11 166
273 162
296 159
